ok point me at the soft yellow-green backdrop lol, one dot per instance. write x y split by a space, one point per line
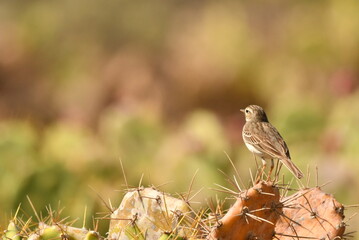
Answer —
159 84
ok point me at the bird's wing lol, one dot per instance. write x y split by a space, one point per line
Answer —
266 139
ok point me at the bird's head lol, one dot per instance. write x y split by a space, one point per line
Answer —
255 113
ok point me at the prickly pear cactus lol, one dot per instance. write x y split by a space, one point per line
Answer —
146 214
18 230
13 231
311 213
60 231
258 213
253 215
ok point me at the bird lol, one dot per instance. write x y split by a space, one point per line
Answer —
264 140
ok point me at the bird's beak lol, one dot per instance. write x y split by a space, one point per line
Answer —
242 110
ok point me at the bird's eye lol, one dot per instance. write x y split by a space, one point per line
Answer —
247 111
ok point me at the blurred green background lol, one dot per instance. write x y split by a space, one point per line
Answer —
159 84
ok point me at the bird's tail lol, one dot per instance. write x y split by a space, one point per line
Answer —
292 167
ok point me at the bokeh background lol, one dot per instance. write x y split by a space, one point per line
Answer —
159 84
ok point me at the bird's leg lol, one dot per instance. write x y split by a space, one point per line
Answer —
271 169
262 170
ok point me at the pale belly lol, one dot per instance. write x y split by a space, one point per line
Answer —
253 149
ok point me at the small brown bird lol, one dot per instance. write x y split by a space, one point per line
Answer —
262 139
